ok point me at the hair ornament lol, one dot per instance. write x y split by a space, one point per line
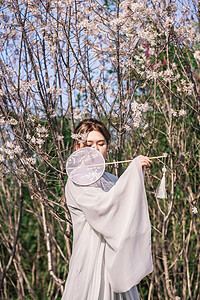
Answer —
79 137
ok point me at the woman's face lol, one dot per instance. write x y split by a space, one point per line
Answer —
97 141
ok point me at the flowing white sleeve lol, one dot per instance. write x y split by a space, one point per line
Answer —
121 216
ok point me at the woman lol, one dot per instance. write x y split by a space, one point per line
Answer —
112 233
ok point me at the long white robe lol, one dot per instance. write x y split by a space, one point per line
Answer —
111 237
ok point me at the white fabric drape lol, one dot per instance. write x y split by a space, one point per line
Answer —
112 237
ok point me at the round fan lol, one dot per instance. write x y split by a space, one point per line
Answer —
85 166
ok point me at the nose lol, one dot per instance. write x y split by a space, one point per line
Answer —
95 146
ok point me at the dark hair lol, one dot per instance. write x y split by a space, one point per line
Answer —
89 125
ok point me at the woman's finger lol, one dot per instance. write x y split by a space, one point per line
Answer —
145 161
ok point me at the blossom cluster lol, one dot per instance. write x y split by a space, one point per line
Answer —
39 138
137 110
28 161
180 113
79 113
10 121
194 210
9 150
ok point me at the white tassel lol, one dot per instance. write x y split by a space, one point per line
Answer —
161 191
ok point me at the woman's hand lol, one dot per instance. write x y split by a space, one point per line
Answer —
145 161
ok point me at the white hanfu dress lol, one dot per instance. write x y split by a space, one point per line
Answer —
112 237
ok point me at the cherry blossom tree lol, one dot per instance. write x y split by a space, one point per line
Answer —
132 64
